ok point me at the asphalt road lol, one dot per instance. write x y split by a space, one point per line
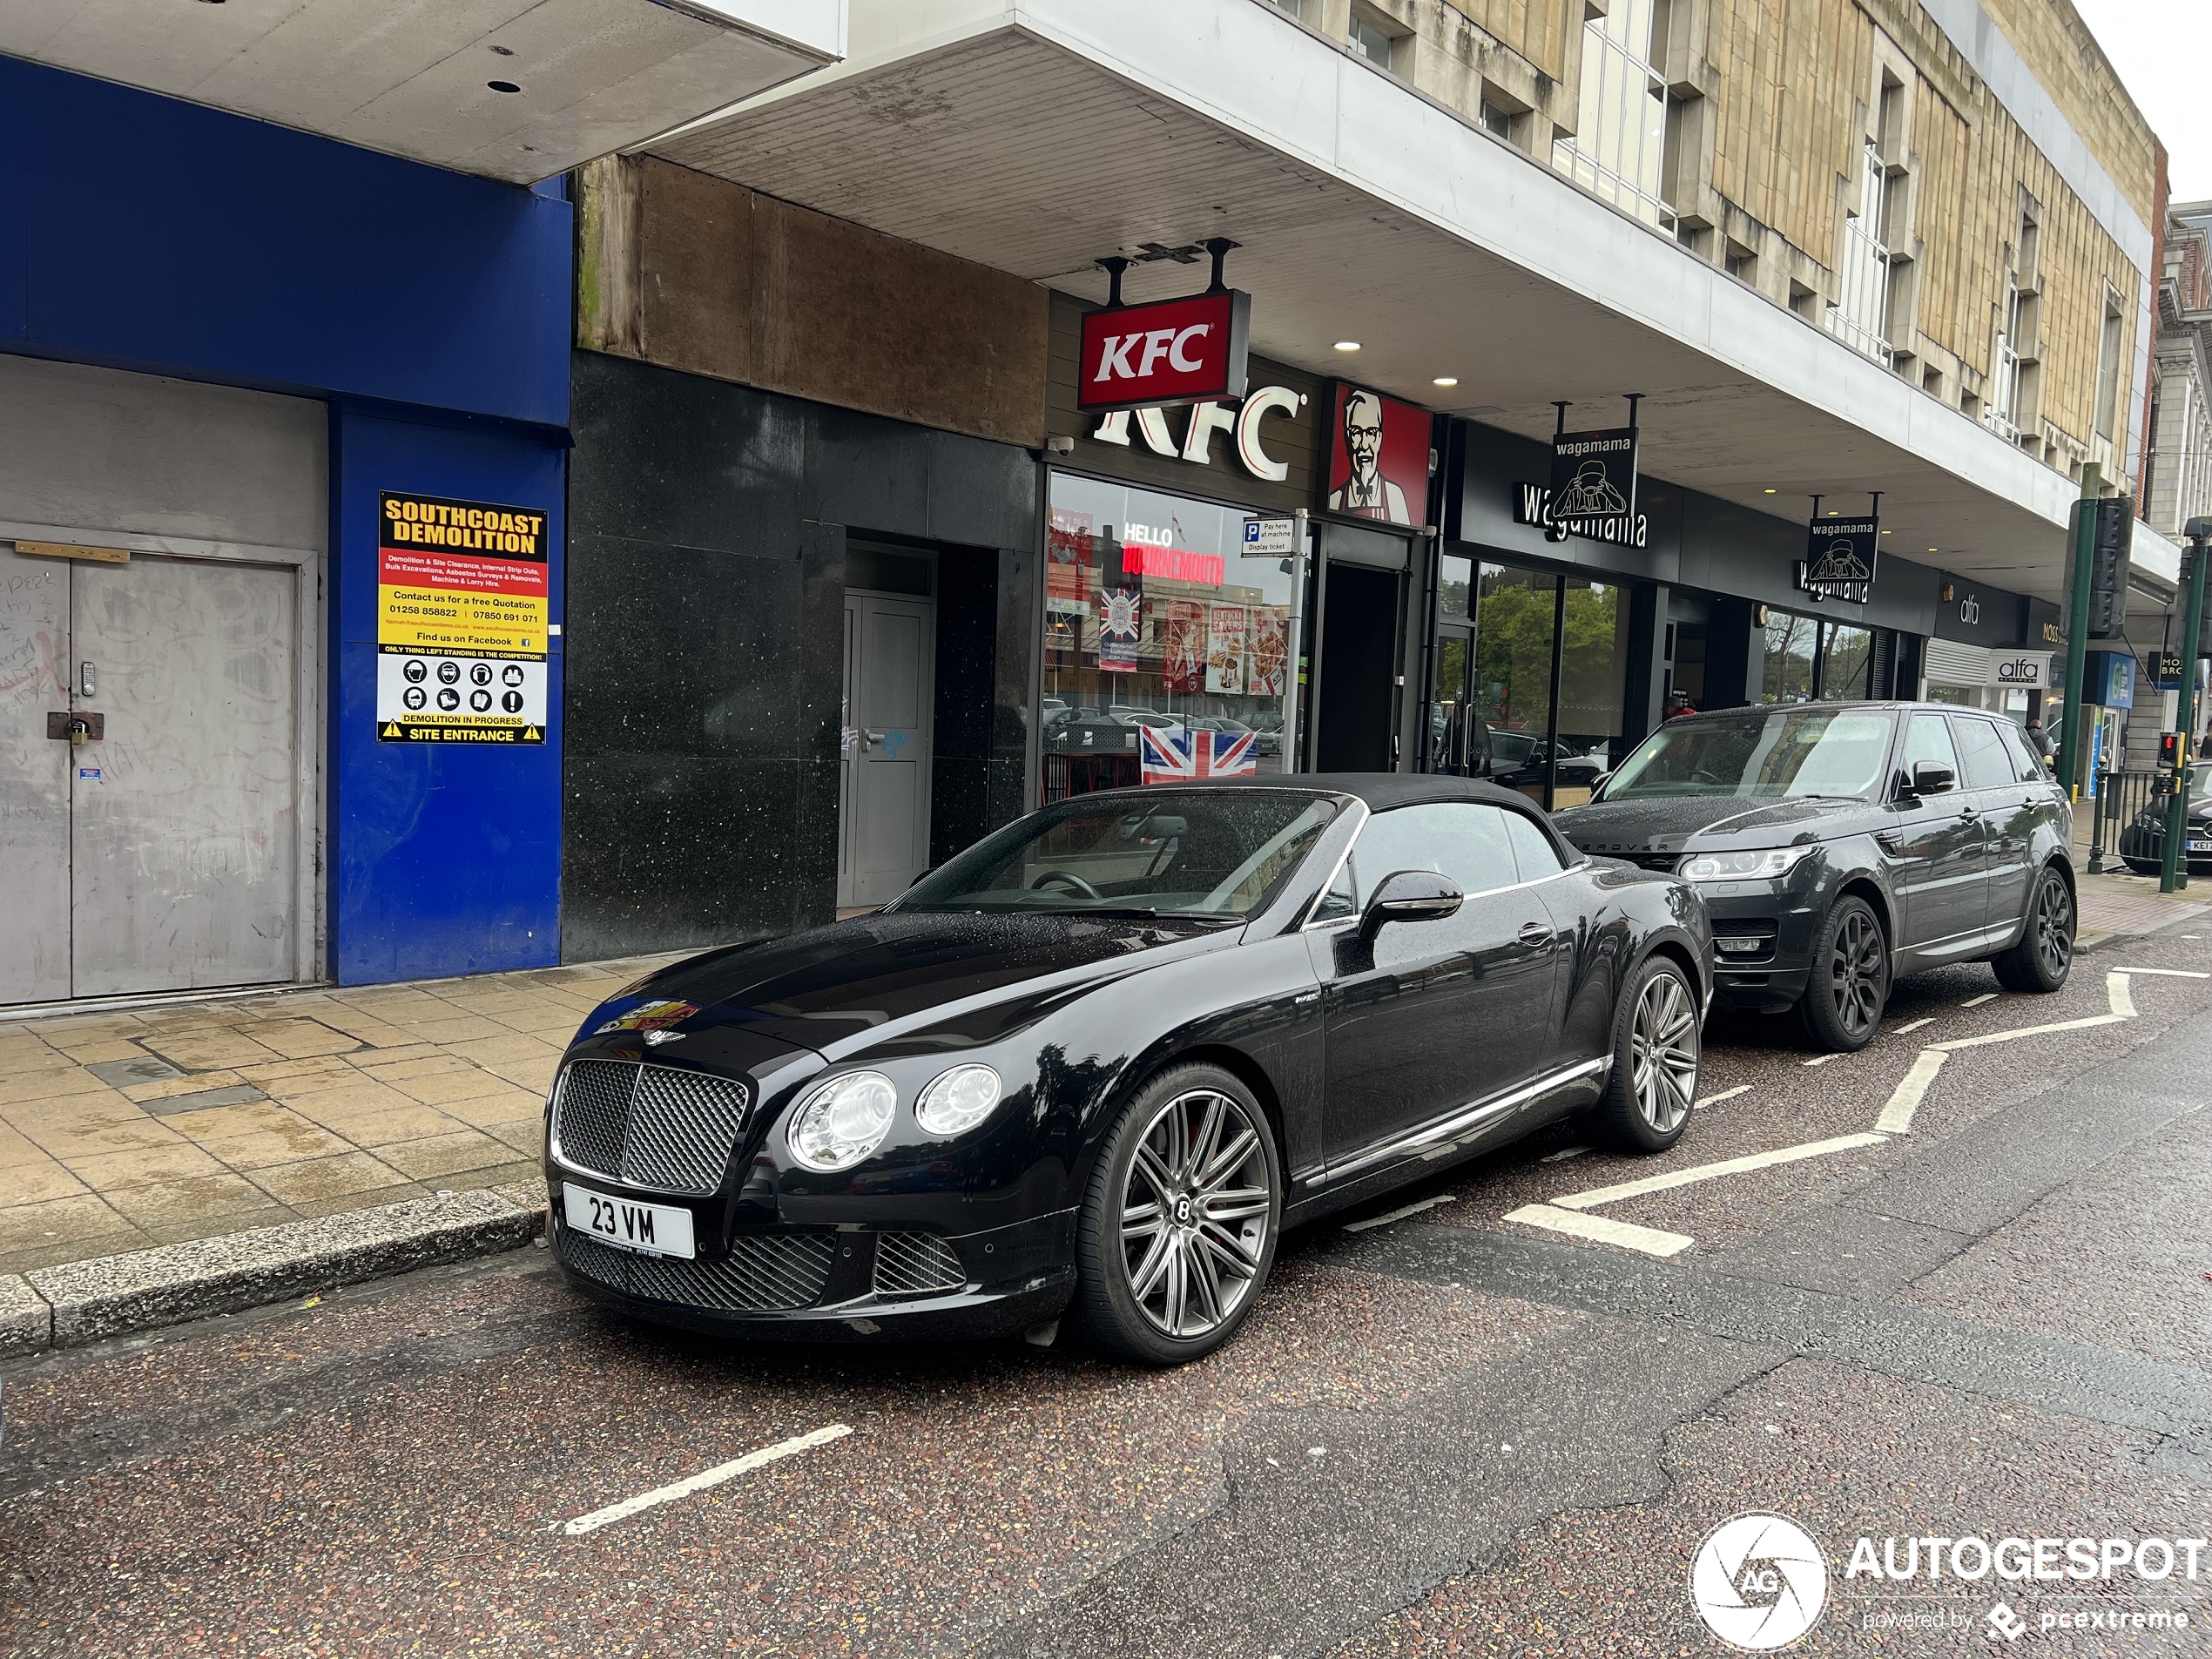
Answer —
1448 1434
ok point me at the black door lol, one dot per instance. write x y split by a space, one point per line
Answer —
1359 611
1433 1017
1937 842
2008 810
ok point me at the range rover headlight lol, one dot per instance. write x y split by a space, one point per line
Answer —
843 1121
1770 866
958 1100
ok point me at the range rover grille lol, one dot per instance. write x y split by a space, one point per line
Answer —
651 1126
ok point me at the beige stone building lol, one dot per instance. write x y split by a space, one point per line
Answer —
2177 455
1846 159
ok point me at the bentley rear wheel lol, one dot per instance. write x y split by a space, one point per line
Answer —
1656 1049
1179 1228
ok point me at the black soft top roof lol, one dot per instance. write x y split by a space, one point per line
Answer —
1380 790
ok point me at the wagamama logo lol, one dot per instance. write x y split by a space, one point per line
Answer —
1759 1581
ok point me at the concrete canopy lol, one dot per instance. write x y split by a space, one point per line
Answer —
1040 137
513 90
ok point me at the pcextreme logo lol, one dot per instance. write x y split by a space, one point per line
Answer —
1759 1581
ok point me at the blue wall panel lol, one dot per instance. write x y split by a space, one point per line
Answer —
444 857
141 231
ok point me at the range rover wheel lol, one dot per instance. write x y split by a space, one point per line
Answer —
2045 955
1655 1042
1179 1228
1849 985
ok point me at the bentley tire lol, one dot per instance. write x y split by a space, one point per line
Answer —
1656 1046
2045 955
1850 983
1178 1227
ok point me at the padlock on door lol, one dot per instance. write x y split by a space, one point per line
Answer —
77 729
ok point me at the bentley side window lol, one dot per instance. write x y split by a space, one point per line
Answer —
1532 849
1339 902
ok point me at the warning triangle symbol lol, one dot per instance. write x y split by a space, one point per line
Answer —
531 734
391 730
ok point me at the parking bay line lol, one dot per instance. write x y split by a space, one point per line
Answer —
1912 1088
1725 1093
2165 973
704 1479
1387 1216
1712 1171
1602 1229
1976 1001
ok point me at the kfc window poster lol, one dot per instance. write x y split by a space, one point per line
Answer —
1378 458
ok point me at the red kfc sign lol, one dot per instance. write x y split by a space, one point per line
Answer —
1177 351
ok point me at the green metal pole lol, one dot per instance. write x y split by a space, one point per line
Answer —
2077 632
2174 866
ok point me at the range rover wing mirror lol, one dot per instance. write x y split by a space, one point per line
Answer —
1409 895
1931 777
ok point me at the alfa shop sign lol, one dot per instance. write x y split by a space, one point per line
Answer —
1175 351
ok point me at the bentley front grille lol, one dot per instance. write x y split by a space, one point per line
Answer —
915 1263
764 1273
651 1126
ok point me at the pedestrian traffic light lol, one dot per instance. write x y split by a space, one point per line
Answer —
2110 545
2170 750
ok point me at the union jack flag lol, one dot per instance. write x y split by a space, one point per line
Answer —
1176 754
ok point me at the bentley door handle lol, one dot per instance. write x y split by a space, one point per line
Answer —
1534 932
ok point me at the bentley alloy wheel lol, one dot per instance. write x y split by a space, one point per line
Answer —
1663 1043
1195 1213
1178 1232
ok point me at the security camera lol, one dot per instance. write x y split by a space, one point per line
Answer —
1059 444
2198 530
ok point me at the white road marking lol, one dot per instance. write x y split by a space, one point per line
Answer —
1712 1171
1976 1001
1725 1093
1603 1229
1820 1060
1384 1219
1897 1116
1563 1154
2119 995
2165 973
2123 996
1906 1031
704 1479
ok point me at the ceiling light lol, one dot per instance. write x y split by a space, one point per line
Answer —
1347 345
1931 550
1770 492
1446 380
503 86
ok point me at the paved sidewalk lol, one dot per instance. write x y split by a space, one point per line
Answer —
120 1130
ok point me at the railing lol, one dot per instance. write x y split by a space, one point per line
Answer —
2120 795
1066 775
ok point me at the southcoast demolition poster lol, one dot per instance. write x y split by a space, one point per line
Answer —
461 620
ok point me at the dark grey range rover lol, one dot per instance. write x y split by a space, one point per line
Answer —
1840 844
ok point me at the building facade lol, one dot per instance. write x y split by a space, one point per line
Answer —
284 410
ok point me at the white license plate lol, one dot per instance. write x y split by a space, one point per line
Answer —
2201 847
653 1229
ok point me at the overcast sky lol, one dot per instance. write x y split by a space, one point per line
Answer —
2163 52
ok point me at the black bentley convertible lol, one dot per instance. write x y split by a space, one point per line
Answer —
1090 1068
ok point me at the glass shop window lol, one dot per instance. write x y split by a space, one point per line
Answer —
1155 617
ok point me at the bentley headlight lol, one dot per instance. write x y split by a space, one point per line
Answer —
1770 866
958 1100
843 1121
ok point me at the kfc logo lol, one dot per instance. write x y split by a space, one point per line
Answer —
1177 351
1378 457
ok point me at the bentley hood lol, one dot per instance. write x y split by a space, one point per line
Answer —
939 980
